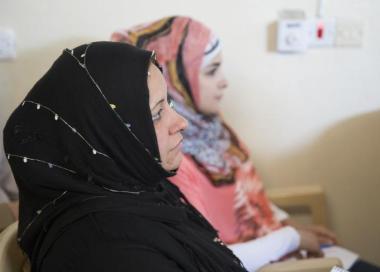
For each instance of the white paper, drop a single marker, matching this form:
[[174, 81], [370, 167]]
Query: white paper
[[338, 269], [346, 256]]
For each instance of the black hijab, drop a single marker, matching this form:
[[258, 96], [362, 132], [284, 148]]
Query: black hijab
[[83, 141]]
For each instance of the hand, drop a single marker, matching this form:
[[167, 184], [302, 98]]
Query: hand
[[292, 255], [325, 236], [309, 242]]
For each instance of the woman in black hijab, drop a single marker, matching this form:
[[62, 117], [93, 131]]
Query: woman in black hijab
[[91, 147]]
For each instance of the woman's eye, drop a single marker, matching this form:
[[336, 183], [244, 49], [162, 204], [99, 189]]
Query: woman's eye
[[171, 103], [211, 72], [157, 116]]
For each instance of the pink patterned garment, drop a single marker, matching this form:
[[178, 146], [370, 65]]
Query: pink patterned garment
[[239, 211]]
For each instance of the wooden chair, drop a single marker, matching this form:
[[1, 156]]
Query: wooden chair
[[311, 197], [309, 265], [11, 257]]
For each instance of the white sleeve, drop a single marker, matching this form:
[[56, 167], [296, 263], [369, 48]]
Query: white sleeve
[[278, 213], [259, 252]]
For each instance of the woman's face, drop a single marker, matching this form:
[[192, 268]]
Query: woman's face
[[211, 86], [168, 123]]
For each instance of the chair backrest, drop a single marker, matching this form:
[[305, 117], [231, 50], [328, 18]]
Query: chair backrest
[[11, 257]]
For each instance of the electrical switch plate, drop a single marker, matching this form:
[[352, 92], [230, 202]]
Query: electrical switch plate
[[7, 44], [349, 33], [322, 32]]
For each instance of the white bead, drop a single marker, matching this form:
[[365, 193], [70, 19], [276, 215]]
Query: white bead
[[94, 151], [25, 159], [216, 239], [82, 56], [8, 156], [56, 117], [74, 130], [38, 106], [128, 125], [38, 212], [23, 103], [50, 165]]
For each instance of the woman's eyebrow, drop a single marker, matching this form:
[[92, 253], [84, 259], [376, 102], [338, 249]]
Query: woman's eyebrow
[[159, 102], [215, 64]]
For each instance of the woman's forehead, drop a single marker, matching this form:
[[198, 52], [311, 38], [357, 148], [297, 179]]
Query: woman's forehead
[[215, 61]]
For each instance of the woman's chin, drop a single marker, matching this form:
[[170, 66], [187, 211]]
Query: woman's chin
[[175, 163]]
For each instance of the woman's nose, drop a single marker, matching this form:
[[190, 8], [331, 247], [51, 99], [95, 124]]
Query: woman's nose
[[180, 123], [223, 83]]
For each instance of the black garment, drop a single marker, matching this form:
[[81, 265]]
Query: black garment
[[363, 266], [85, 252], [132, 241], [87, 170]]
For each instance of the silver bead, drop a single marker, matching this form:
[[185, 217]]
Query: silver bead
[[82, 56], [8, 156], [38, 106], [56, 117], [23, 103], [25, 159], [94, 151], [128, 125], [217, 240], [38, 212], [50, 165], [74, 130]]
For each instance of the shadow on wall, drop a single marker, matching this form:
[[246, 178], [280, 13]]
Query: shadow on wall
[[272, 37], [345, 160], [21, 74]]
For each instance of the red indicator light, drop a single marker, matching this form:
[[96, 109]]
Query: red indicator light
[[320, 30]]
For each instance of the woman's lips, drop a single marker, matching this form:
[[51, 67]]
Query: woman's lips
[[219, 97], [179, 145]]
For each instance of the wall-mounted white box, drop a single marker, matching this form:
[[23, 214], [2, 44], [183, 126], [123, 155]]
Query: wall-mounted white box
[[7, 44], [292, 32]]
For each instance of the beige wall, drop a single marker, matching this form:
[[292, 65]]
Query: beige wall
[[308, 118]]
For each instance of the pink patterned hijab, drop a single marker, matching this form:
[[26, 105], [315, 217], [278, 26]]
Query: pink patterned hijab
[[180, 55]]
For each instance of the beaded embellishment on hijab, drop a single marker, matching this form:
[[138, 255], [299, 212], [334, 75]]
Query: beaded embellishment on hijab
[[38, 106], [128, 126]]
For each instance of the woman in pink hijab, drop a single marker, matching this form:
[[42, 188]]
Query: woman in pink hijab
[[217, 175]]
